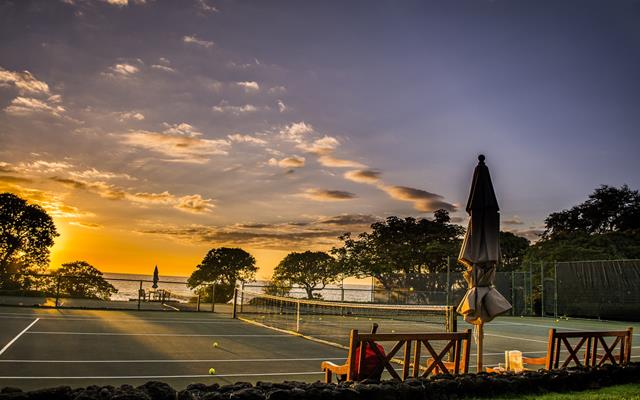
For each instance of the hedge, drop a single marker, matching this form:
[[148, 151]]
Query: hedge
[[432, 388]]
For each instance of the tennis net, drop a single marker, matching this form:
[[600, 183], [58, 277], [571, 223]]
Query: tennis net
[[332, 322]]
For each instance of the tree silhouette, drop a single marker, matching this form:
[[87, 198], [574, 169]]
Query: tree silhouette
[[224, 266], [400, 247], [605, 226], [513, 249], [313, 270], [26, 234], [81, 279]]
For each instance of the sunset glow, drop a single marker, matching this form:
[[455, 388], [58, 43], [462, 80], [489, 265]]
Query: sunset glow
[[153, 131]]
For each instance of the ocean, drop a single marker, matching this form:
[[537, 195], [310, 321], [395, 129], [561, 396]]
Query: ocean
[[129, 284]]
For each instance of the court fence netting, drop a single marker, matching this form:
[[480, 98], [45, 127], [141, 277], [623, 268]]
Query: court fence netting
[[331, 322], [104, 292], [607, 289]]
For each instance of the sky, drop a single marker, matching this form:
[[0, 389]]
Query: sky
[[153, 130]]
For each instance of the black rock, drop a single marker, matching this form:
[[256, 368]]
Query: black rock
[[14, 396], [158, 390], [56, 393], [247, 394], [9, 389], [278, 394], [128, 392], [188, 395], [215, 396]]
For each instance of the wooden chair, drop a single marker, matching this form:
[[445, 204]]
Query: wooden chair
[[592, 342], [457, 344]]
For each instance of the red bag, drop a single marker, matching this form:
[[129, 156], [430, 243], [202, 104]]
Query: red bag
[[373, 366]]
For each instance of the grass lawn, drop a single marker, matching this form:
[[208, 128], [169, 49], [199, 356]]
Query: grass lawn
[[629, 391]]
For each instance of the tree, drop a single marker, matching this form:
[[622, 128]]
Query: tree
[[224, 266], [608, 209], [313, 270], [81, 279], [401, 248], [605, 226], [26, 234], [513, 249], [277, 288]]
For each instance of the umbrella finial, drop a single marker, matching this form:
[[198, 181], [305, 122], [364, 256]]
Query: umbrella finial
[[481, 158]]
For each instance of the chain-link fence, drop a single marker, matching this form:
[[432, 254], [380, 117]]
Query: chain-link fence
[[117, 292]]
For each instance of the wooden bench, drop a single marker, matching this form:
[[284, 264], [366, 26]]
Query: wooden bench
[[590, 342], [456, 346]]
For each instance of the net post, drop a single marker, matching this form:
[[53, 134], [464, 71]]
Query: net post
[[241, 295], [542, 289], [213, 297], [452, 320], [57, 290], [234, 313], [198, 304], [139, 294], [298, 316]]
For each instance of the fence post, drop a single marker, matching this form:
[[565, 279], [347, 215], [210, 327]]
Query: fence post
[[342, 291], [513, 297], [448, 279], [373, 296], [57, 290], [531, 310], [213, 297], [542, 289], [555, 289], [198, 305], [298, 316], [234, 314], [139, 294]]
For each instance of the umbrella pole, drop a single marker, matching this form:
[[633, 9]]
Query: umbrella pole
[[479, 367]]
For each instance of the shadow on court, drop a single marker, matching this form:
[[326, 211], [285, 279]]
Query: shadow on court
[[48, 347]]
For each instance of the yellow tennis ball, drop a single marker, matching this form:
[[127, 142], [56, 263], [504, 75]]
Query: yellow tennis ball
[[557, 321], [212, 371], [215, 344]]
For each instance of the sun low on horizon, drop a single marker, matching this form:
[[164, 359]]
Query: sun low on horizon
[[153, 131]]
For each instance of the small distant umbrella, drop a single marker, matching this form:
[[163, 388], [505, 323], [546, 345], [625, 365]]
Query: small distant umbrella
[[480, 253], [156, 278]]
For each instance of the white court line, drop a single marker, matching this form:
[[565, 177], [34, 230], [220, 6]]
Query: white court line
[[509, 337], [166, 361], [164, 376], [81, 318], [150, 334], [6, 347], [503, 323]]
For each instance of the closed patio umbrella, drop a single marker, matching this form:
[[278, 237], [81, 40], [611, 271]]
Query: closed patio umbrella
[[156, 278], [480, 253]]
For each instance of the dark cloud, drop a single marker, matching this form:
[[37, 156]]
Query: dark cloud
[[14, 179], [328, 195], [274, 239], [422, 200], [349, 219], [363, 175]]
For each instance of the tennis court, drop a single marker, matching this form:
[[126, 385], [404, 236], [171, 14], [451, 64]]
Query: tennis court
[[49, 347]]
